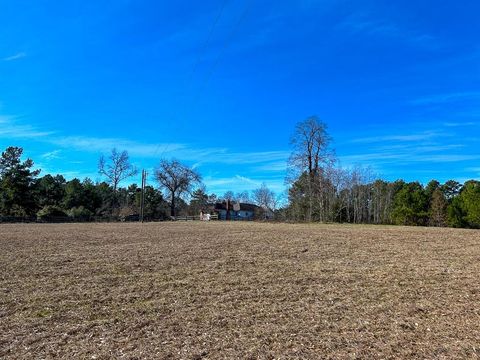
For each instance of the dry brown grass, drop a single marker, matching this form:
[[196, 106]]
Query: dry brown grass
[[238, 290]]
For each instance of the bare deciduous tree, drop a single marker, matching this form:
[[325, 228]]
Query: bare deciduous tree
[[242, 197], [117, 169], [438, 209], [177, 179], [310, 146], [264, 197], [229, 195], [311, 154]]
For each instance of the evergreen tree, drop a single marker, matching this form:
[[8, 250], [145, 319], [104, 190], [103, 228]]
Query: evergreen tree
[[91, 198], [470, 198], [155, 205], [456, 213], [16, 184], [410, 205], [106, 197], [74, 194], [50, 190], [198, 202]]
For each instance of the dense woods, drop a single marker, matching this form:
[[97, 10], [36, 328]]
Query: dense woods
[[342, 196], [24, 195], [318, 190], [321, 191]]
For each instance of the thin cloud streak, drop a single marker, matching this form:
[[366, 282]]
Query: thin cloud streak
[[145, 150], [404, 158], [180, 151], [51, 155], [17, 56], [361, 22], [277, 166], [241, 183], [10, 127], [444, 98], [401, 138], [459, 124], [97, 144]]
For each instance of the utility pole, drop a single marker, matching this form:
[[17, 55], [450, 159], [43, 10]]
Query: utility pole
[[142, 202]]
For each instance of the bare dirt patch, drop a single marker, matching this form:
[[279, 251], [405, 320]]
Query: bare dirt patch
[[238, 290]]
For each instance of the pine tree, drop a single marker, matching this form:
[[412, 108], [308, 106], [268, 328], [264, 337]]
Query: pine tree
[[16, 183]]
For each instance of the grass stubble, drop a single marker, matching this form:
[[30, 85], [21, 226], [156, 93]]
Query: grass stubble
[[222, 290]]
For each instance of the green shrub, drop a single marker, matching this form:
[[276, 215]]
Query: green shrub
[[49, 212], [80, 213], [18, 211]]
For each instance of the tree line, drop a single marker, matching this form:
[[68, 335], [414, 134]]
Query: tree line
[[24, 194], [179, 191], [319, 190]]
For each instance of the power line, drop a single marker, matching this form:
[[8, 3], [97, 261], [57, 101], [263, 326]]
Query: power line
[[198, 60], [165, 149], [220, 54], [209, 37], [227, 43]]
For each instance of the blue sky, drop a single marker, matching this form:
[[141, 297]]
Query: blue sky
[[221, 84]]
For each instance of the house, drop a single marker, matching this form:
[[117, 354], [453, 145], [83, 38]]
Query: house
[[229, 210], [268, 213]]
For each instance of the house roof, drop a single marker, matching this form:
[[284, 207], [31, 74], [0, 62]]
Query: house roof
[[243, 206]]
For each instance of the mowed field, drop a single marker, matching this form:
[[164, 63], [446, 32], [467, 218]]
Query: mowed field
[[222, 290]]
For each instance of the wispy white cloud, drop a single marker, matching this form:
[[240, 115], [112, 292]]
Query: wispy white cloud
[[433, 146], [51, 155], [51, 168], [427, 135], [445, 158], [418, 148], [16, 56], [362, 22], [186, 152], [181, 151], [227, 182], [279, 166], [246, 157], [365, 23], [241, 183], [407, 157], [99, 144], [10, 127], [460, 124], [443, 98]]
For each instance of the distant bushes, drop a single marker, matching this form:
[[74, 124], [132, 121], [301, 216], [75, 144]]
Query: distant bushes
[[50, 212], [80, 213]]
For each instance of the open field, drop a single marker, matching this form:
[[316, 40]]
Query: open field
[[238, 290]]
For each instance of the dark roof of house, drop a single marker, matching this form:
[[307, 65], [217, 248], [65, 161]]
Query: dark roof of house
[[243, 206]]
